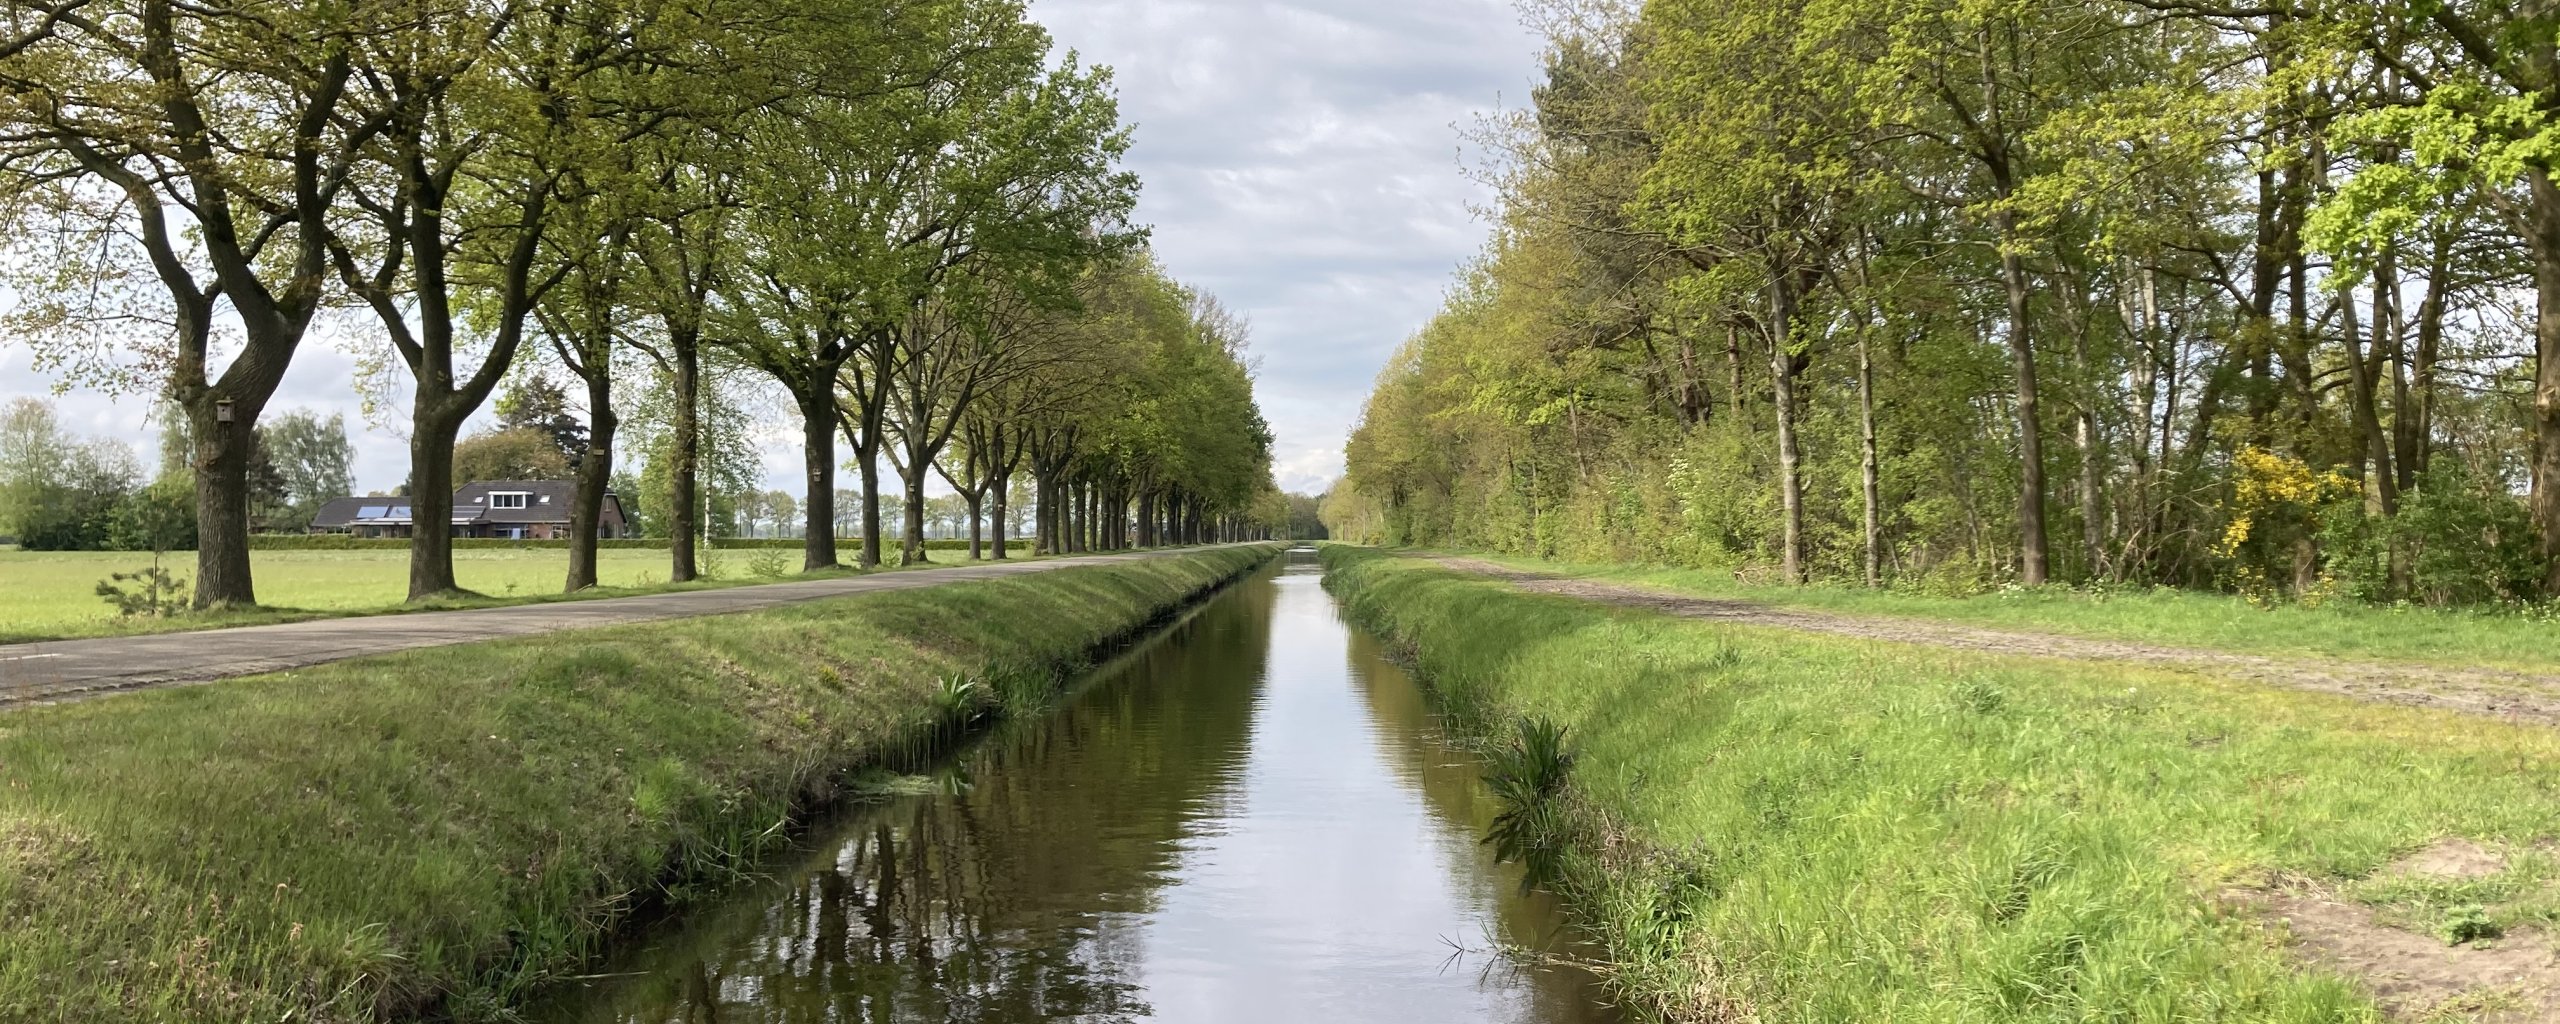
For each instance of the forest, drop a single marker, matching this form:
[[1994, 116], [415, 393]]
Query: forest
[[1962, 294], [617, 218]]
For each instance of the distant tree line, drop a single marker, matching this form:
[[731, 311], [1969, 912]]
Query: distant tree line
[[909, 218], [62, 492], [1961, 293]]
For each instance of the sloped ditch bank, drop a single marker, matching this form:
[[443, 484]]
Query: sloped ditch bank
[[438, 834]]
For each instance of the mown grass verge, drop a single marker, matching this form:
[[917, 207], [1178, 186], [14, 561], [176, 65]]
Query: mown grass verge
[[52, 595], [434, 833], [1779, 826], [2513, 637]]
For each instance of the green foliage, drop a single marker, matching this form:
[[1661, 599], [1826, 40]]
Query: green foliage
[[2467, 923], [152, 592], [158, 517], [512, 453], [80, 508], [2458, 543], [1763, 268], [536, 403]]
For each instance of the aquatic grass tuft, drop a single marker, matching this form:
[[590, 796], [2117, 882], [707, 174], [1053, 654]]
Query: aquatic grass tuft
[[958, 700], [1527, 773]]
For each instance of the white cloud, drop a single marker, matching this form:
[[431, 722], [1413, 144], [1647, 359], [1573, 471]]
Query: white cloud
[[1302, 161]]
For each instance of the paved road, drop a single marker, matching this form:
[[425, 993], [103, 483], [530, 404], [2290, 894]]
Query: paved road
[[60, 670]]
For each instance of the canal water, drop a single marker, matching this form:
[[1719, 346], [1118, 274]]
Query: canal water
[[1253, 817]]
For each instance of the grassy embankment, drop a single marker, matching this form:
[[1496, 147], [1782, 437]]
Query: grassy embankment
[[439, 831], [51, 595], [1814, 828], [2518, 638]]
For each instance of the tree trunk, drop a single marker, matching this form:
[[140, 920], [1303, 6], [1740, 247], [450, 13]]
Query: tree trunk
[[431, 498], [2545, 214], [683, 504], [2085, 431], [2032, 549], [222, 505], [1000, 508], [868, 461], [2381, 482], [1869, 470], [1044, 504], [1782, 315], [595, 476], [977, 525], [912, 551], [818, 453], [2417, 417]]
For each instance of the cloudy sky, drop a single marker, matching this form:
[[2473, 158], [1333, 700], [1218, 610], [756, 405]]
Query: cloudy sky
[[1302, 162]]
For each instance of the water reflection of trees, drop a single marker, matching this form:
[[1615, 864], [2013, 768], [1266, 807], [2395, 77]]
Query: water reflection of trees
[[1016, 897]]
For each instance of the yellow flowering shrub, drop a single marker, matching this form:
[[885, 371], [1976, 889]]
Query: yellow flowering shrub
[[2271, 486], [2272, 527]]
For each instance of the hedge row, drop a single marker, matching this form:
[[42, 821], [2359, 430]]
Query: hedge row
[[342, 542]]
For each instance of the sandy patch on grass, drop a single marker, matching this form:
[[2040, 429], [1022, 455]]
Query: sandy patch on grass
[[2515, 696], [2449, 858], [2416, 977]]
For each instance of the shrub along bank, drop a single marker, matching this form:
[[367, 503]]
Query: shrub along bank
[[1770, 825], [437, 831]]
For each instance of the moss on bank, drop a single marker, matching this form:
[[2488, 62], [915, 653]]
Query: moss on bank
[[435, 832], [1778, 826]]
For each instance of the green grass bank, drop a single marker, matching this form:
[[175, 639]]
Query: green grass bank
[[1767, 825], [2510, 637], [435, 833]]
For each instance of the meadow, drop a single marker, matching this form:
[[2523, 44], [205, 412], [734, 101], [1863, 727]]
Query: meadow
[[2519, 637], [1768, 824], [52, 594], [434, 834]]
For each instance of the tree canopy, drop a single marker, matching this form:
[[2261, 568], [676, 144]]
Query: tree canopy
[[1957, 293]]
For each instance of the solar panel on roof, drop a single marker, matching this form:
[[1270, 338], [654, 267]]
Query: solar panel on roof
[[373, 511]]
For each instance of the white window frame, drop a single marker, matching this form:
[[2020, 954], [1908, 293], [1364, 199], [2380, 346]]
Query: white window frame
[[499, 499]]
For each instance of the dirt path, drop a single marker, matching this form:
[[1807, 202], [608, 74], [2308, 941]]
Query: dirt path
[[2515, 696], [55, 671]]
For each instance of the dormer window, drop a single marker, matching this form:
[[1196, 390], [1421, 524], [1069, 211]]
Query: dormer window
[[507, 499]]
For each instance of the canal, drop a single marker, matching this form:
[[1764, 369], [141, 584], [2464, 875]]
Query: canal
[[1252, 817]]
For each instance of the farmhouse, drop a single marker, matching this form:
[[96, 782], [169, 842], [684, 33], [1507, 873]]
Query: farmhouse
[[502, 509]]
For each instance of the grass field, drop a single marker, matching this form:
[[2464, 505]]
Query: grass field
[[52, 594], [2524, 638], [433, 833], [1771, 825]]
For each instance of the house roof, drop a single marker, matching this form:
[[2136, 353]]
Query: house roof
[[341, 513], [546, 501]]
